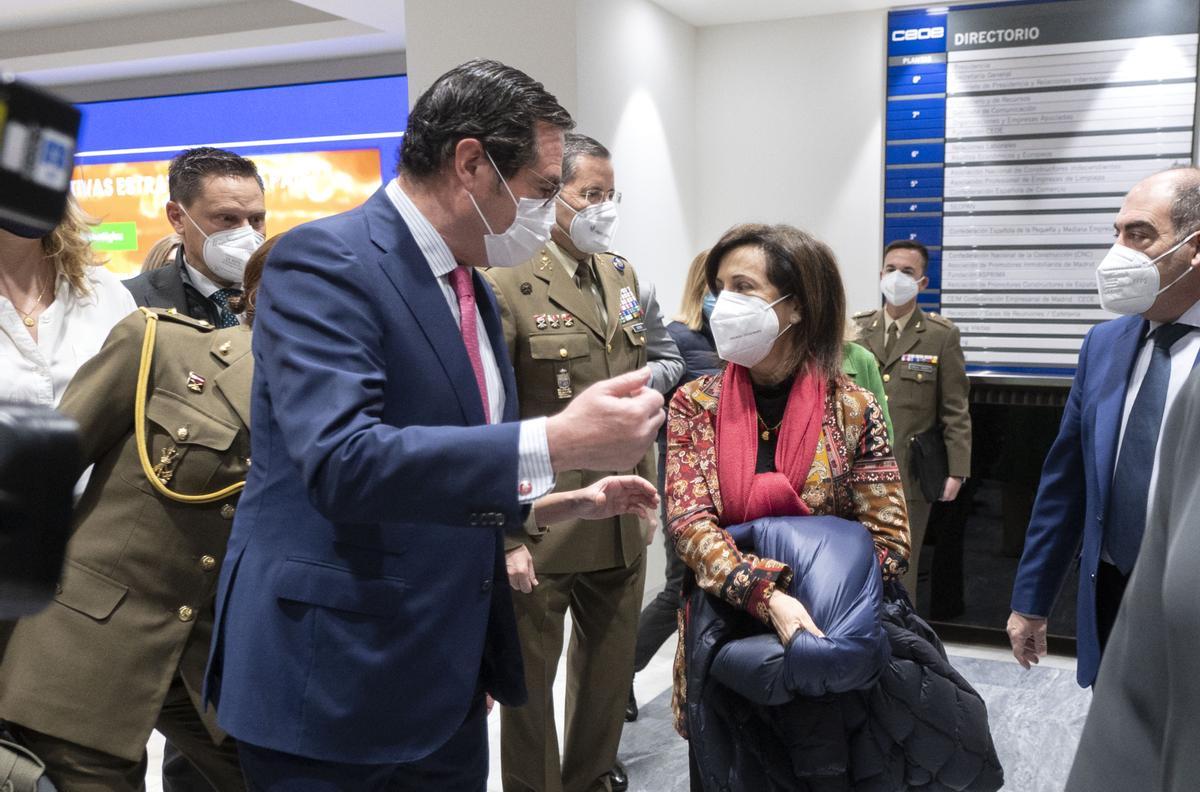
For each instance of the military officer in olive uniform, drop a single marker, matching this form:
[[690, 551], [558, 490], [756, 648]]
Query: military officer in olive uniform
[[123, 647], [572, 317], [924, 377]]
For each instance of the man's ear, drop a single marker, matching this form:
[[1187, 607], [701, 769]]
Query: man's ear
[[1195, 262], [471, 164], [175, 217]]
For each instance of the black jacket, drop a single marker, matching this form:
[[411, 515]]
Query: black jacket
[[869, 724]]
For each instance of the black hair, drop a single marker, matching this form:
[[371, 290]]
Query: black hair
[[910, 244], [189, 169], [482, 99]]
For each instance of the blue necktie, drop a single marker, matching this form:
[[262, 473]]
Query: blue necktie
[[221, 297], [1126, 519]]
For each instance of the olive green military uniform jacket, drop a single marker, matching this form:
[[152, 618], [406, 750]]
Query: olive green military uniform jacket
[[135, 602], [925, 379], [559, 346]]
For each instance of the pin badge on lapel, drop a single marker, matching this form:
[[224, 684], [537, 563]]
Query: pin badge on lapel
[[619, 263], [195, 383], [526, 288], [540, 321]]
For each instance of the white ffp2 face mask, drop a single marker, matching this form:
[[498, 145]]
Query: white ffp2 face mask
[[226, 252], [744, 327], [898, 288], [529, 231], [1128, 280], [593, 228]]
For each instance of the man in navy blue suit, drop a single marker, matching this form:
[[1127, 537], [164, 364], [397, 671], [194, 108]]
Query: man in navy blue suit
[[362, 612], [1101, 470]]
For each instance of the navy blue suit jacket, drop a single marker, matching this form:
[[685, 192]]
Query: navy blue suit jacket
[[363, 602], [1073, 495]]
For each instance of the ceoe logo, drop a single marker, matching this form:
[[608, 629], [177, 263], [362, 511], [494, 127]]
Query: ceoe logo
[[919, 34]]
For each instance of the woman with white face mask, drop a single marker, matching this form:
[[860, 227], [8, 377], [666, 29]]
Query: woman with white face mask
[[779, 432]]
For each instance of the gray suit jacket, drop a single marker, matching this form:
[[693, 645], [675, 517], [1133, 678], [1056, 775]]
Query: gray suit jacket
[[164, 288], [666, 363], [1142, 731]]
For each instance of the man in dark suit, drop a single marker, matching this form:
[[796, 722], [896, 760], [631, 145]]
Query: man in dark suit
[[1100, 472], [216, 205], [362, 614]]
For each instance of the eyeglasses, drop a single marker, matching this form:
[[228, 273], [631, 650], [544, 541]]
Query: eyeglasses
[[595, 196], [549, 185]]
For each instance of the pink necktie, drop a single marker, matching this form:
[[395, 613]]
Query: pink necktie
[[464, 289]]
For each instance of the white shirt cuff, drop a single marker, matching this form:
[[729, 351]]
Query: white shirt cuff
[[535, 475]]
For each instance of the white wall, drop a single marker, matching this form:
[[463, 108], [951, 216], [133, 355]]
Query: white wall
[[789, 129], [637, 78], [535, 36]]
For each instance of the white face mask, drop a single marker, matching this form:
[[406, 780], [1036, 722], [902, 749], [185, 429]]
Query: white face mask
[[744, 327], [528, 233], [1128, 279], [593, 229], [226, 252], [898, 288]]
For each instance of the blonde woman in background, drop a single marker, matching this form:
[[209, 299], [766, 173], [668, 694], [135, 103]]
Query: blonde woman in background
[[161, 252], [57, 305]]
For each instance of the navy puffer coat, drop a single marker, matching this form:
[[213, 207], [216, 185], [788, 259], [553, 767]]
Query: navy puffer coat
[[873, 707]]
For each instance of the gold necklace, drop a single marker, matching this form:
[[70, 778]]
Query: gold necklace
[[766, 432], [27, 316]]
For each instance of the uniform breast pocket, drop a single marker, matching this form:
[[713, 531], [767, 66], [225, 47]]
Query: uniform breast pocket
[[919, 373], [554, 355], [187, 445]]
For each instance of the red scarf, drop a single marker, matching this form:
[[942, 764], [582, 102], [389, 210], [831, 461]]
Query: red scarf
[[746, 495]]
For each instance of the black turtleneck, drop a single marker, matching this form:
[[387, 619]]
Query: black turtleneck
[[770, 401]]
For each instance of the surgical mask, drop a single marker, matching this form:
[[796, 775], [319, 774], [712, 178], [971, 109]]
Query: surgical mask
[[710, 301], [745, 328], [529, 231], [593, 229], [898, 288], [226, 252], [1128, 280]]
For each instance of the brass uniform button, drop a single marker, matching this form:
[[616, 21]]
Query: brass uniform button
[[887, 377], [182, 433], [185, 613], [609, 346], [920, 376], [207, 562], [227, 511], [562, 353]]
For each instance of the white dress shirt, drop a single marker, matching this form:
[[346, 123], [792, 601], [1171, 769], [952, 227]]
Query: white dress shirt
[[1183, 356], [533, 462], [70, 330]]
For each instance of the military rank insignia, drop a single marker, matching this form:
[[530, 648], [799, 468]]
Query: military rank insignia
[[631, 310], [195, 383], [553, 321], [619, 263]]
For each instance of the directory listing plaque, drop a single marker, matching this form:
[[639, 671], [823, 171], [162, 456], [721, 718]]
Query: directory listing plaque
[[1014, 131]]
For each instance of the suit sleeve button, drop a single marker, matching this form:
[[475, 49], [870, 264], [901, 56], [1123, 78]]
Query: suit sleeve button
[[185, 613], [487, 586]]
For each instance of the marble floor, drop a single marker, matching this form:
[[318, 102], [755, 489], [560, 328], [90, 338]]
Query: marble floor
[[1036, 717]]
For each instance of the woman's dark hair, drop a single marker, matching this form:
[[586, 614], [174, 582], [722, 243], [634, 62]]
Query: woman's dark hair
[[482, 99], [250, 279], [802, 266]]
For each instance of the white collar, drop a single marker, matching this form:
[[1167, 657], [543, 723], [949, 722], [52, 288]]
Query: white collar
[[429, 241], [200, 282]]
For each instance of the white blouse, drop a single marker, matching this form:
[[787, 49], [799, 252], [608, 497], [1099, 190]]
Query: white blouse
[[70, 330]]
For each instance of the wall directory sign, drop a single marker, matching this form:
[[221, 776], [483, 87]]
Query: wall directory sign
[[1013, 132]]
